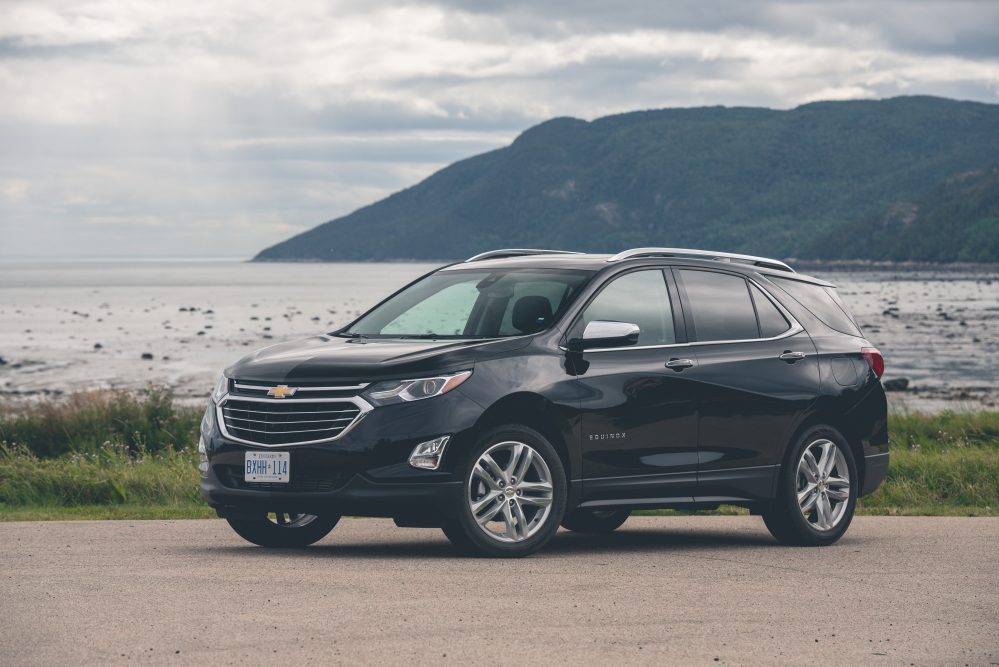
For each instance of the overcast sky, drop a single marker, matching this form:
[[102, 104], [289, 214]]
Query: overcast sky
[[217, 127]]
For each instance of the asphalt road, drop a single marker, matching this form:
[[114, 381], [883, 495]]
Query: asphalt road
[[694, 590]]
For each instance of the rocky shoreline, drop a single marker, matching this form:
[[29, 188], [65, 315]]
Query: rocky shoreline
[[177, 326]]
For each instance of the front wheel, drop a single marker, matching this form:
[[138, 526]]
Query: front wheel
[[513, 496], [284, 530], [817, 491]]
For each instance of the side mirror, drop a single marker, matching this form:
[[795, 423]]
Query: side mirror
[[606, 334]]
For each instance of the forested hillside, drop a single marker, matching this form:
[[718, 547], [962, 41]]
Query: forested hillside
[[903, 178]]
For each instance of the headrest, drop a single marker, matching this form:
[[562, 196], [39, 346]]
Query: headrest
[[532, 313]]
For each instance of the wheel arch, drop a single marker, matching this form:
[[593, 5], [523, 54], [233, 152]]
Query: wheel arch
[[830, 418], [536, 412]]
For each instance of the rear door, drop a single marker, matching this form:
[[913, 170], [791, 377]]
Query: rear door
[[756, 374]]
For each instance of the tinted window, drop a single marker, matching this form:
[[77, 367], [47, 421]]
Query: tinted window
[[721, 306], [772, 322], [639, 298], [823, 302]]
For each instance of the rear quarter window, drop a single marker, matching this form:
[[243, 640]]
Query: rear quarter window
[[823, 302], [772, 321]]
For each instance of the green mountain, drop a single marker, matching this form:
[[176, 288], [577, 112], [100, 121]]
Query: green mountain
[[957, 220], [824, 180]]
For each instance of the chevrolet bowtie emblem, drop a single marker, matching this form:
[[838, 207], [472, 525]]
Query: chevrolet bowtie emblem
[[281, 391]]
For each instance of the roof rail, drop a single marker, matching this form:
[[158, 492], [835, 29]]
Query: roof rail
[[702, 254], [517, 252]]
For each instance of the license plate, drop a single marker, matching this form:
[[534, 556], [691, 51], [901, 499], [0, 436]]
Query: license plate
[[266, 466]]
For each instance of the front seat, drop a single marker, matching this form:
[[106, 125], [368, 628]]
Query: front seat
[[531, 314]]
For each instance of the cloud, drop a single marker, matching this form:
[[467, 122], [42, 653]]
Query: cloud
[[218, 128]]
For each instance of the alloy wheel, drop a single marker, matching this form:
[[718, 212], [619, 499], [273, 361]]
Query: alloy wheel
[[510, 492], [823, 485]]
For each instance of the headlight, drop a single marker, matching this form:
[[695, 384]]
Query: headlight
[[221, 388], [208, 422], [202, 457], [401, 391]]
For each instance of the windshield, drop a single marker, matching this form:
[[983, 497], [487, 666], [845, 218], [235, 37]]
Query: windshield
[[473, 304]]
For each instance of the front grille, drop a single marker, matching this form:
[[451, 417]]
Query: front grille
[[231, 476], [285, 422], [302, 389]]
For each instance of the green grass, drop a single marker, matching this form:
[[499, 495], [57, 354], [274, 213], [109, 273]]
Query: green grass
[[946, 463], [110, 476], [100, 455], [146, 421], [125, 456]]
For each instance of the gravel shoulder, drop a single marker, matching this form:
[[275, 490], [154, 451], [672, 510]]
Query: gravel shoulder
[[663, 590]]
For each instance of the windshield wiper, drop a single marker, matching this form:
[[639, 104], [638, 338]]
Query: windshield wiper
[[350, 334], [429, 336], [442, 337]]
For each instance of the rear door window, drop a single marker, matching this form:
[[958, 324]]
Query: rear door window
[[720, 304]]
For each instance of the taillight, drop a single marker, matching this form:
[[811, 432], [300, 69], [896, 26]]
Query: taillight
[[874, 360]]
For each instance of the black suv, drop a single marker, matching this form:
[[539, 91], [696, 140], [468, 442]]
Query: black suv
[[520, 390]]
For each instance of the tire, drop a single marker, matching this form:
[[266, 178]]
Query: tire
[[511, 518], [455, 534], [595, 521], [286, 531], [789, 521]]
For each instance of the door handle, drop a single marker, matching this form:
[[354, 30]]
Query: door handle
[[791, 357], [679, 364]]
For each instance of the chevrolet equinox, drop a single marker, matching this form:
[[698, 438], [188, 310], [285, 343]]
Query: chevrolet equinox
[[501, 397]]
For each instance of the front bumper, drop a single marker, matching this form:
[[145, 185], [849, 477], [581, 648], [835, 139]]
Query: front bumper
[[431, 503], [365, 473]]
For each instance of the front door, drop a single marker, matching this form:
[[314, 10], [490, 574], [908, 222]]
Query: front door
[[639, 418]]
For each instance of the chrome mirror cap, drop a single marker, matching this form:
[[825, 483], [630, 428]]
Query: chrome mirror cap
[[602, 333]]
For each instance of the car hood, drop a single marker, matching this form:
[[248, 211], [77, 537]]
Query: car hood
[[334, 358]]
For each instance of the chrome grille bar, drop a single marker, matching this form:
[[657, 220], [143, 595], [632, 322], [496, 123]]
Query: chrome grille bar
[[266, 421], [304, 421], [285, 412], [265, 387]]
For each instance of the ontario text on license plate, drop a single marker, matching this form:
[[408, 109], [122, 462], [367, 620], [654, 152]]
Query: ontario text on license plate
[[266, 466]]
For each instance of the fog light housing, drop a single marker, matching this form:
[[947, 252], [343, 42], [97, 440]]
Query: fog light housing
[[203, 457], [427, 455]]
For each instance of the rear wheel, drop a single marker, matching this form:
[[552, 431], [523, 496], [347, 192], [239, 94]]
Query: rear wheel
[[284, 529], [817, 491], [513, 495], [595, 521]]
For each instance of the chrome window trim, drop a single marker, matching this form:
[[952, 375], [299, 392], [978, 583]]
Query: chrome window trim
[[794, 329], [361, 404], [268, 386]]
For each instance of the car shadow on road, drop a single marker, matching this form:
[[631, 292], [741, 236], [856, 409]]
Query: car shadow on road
[[430, 543]]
